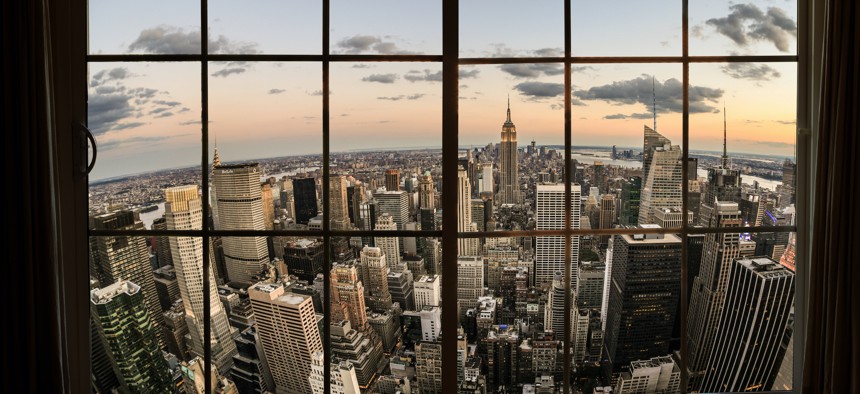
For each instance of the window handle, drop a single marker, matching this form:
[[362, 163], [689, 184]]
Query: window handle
[[86, 135]]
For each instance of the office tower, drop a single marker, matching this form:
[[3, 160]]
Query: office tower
[[631, 191], [643, 296], [339, 205], [431, 323], [343, 379], [102, 372], [465, 246], [555, 311], [607, 211], [395, 204], [304, 258], [657, 375], [166, 285], [360, 347], [662, 185], [426, 192], [128, 334], [387, 327], [183, 211], [392, 180], [428, 367], [752, 207], [549, 215], [500, 352], [162, 245], [175, 329], [478, 213], [400, 287], [288, 330], [348, 291], [374, 275], [250, 372], [579, 336], [433, 256], [589, 285], [486, 178], [724, 184], [356, 196], [428, 291], [268, 202], [470, 282], [305, 199], [672, 217], [240, 208], [653, 140], [509, 186], [709, 287], [599, 176], [789, 173], [123, 257], [390, 246], [753, 327]]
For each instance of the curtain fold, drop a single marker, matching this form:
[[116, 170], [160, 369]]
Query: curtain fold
[[832, 355], [32, 356]]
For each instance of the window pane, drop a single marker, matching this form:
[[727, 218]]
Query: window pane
[[750, 28], [759, 128], [266, 124], [386, 314], [386, 146], [386, 27], [269, 26], [159, 26], [146, 121], [493, 28], [611, 104], [512, 172], [626, 28], [741, 293]]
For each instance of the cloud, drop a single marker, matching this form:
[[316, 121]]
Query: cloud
[[532, 70], [785, 121], [361, 65], [502, 50], [394, 98], [107, 111], [549, 52], [106, 145], [669, 95], [540, 89], [278, 91], [113, 74], [771, 144], [166, 39], [469, 73], [167, 103], [370, 44], [746, 23], [751, 71], [631, 116], [224, 72], [427, 76], [415, 96], [381, 78]]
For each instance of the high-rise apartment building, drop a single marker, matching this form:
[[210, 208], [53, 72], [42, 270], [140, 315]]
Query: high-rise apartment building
[[374, 274], [287, 326], [431, 323], [184, 211], [549, 250], [509, 185], [428, 367], [123, 322], [240, 207], [470, 282], [305, 199], [348, 291], [753, 327]]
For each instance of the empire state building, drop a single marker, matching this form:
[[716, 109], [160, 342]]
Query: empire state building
[[509, 189]]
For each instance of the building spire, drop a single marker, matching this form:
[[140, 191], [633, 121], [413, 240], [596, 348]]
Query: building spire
[[216, 160], [654, 100], [509, 108], [725, 158]]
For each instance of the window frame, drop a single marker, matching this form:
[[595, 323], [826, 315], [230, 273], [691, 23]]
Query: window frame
[[74, 240]]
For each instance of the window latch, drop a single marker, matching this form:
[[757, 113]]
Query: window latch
[[86, 139]]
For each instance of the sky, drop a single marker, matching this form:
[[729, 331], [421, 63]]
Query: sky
[[146, 116]]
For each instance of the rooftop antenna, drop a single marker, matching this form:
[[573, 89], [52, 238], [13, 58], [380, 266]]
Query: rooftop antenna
[[654, 100], [509, 107], [725, 157]]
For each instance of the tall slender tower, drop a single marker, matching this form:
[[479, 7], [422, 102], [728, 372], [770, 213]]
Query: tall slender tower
[[466, 246], [374, 275], [509, 187], [240, 207], [339, 207], [661, 187], [549, 250], [184, 211], [724, 184], [652, 140]]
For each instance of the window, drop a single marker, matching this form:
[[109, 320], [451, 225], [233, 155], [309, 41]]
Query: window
[[613, 187]]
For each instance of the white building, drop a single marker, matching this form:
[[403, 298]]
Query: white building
[[549, 250], [427, 290]]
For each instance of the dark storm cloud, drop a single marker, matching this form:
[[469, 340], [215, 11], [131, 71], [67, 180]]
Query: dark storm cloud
[[533, 70], [276, 91], [381, 78], [540, 89], [747, 23], [107, 111], [751, 71], [370, 44], [113, 74], [669, 95], [427, 76]]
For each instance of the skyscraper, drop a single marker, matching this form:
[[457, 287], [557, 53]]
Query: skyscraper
[[753, 327], [549, 215], [724, 184], [427, 291], [339, 207], [428, 367], [395, 204], [663, 180], [426, 192], [390, 246], [183, 211], [470, 282], [343, 379], [305, 199], [240, 208], [304, 258], [288, 329], [392, 180], [129, 336], [644, 293], [348, 291], [374, 275], [509, 186], [709, 287], [125, 257], [466, 246], [652, 140], [631, 192]]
